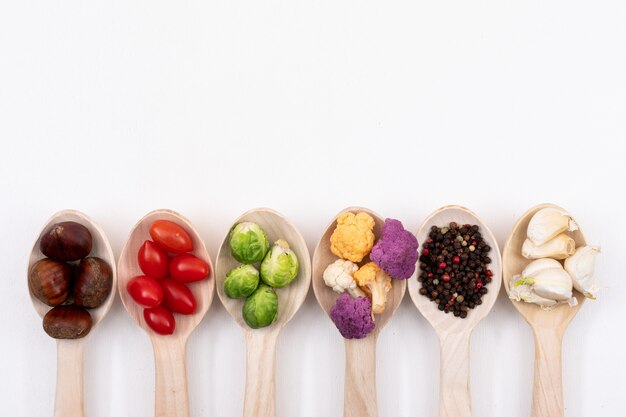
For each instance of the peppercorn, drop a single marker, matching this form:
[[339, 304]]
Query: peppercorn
[[454, 268]]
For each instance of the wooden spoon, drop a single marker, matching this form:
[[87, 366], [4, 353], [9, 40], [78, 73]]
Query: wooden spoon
[[69, 389], [171, 398], [360, 372], [548, 326], [454, 333], [259, 399]]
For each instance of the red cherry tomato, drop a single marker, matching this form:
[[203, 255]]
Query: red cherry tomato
[[170, 237], [188, 268], [145, 291], [160, 320], [152, 260], [177, 298]]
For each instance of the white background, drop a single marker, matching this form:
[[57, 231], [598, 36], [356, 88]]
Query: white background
[[211, 108]]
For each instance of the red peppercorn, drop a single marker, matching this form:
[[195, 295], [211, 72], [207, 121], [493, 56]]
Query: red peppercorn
[[429, 275], [474, 242], [456, 260], [479, 285], [442, 265], [425, 252], [446, 277], [429, 240], [489, 273]]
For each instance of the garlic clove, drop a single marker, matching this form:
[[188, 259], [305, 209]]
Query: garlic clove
[[543, 282], [553, 283], [519, 291], [559, 247], [580, 266], [539, 264], [548, 223], [545, 303]]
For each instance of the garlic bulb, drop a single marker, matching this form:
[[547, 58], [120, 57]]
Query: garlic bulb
[[559, 247], [543, 282], [547, 223], [580, 267]]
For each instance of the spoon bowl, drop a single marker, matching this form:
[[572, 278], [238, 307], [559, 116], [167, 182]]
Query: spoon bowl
[[360, 374], [514, 263], [69, 387], [259, 398], [548, 326], [453, 332], [171, 375]]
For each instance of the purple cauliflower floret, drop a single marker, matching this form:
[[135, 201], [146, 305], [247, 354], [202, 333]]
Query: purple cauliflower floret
[[396, 250], [353, 316]]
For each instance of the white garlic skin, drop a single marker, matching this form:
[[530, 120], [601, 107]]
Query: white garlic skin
[[552, 283], [580, 267], [543, 282], [548, 223], [559, 247]]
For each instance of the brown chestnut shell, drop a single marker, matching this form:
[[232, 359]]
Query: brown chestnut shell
[[93, 282], [50, 280], [66, 241], [67, 322]]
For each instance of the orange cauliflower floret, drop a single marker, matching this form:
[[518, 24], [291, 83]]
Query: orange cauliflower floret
[[353, 237], [376, 283]]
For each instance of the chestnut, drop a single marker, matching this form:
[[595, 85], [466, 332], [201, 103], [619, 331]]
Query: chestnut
[[93, 282], [50, 280], [66, 241], [67, 322]]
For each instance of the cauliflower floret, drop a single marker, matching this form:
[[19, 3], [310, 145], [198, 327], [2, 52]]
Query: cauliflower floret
[[353, 237], [338, 276], [396, 250], [352, 316], [376, 283]]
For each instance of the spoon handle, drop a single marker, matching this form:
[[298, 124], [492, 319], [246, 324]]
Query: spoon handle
[[454, 391], [548, 383], [171, 377], [69, 390], [260, 397], [360, 383]]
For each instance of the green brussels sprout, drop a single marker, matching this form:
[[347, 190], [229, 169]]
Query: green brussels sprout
[[248, 242], [280, 265], [261, 308], [241, 281]]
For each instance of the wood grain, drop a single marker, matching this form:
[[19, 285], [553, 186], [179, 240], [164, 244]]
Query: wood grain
[[169, 350], [171, 377], [69, 399], [360, 378], [259, 398], [548, 326], [260, 387], [69, 387], [454, 333]]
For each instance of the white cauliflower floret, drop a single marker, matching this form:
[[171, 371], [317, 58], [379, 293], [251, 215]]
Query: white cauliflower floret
[[338, 276]]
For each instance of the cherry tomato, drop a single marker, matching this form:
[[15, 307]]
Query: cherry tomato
[[152, 260], [170, 237], [160, 320], [145, 291], [188, 268], [177, 298]]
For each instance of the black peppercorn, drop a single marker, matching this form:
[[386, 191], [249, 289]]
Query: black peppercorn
[[454, 264]]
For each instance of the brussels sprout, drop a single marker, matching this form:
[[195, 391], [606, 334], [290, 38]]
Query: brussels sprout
[[280, 265], [241, 281], [248, 242], [261, 308]]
